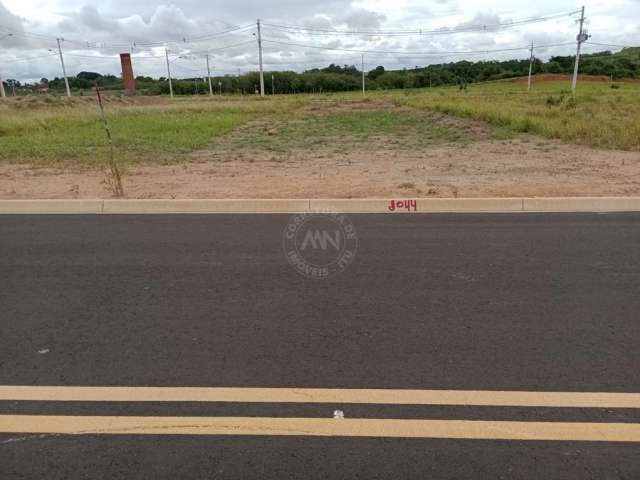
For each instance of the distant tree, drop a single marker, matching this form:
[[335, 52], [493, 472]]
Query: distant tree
[[375, 73], [90, 76], [553, 67], [335, 77]]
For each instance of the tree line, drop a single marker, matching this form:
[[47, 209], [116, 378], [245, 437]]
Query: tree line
[[336, 78]]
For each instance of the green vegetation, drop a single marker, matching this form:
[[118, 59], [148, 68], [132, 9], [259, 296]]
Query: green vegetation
[[344, 129], [335, 78], [163, 132], [46, 130], [78, 135], [598, 115]]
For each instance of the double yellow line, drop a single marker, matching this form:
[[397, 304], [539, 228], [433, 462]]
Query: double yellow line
[[348, 427]]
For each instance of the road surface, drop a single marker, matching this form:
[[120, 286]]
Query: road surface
[[483, 306]]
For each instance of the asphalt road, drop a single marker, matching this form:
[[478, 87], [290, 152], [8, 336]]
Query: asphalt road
[[533, 302]]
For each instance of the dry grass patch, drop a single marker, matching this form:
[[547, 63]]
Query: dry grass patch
[[598, 115]]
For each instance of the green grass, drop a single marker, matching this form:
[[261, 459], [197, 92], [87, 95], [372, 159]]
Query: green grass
[[598, 115], [165, 132], [82, 138], [345, 130], [54, 131]]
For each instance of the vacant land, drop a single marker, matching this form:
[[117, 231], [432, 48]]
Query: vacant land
[[600, 114], [69, 132], [487, 140]]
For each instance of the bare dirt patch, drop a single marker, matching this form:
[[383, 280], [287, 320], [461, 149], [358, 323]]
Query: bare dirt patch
[[521, 167], [356, 149]]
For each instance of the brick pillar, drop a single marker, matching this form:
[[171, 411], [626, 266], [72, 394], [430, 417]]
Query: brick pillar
[[128, 79]]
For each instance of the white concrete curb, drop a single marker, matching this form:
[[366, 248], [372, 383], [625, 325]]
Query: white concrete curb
[[373, 205], [51, 206], [206, 206]]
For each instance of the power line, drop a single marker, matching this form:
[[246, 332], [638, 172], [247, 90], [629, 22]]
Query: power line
[[319, 62], [225, 47], [610, 45], [116, 57], [194, 39], [113, 57], [145, 44], [26, 34], [97, 57], [180, 66], [421, 32], [298, 30], [447, 54], [287, 28], [27, 59], [612, 56], [415, 54], [371, 53]]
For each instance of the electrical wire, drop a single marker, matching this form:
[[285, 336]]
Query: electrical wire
[[225, 47], [180, 66], [421, 32], [288, 28], [386, 52], [194, 39], [117, 57], [291, 29], [585, 57], [147, 44], [28, 59], [610, 45]]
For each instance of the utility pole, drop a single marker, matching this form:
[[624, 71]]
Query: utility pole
[[582, 37], [273, 85], [64, 70], [363, 86], [166, 53], [209, 77], [260, 56], [2, 92], [530, 67]]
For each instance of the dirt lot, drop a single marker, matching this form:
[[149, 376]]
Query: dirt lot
[[357, 149]]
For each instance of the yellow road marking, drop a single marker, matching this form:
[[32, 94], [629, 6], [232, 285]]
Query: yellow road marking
[[459, 429], [322, 395]]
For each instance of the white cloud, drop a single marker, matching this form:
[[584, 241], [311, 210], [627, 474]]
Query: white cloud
[[11, 23], [116, 25], [363, 19]]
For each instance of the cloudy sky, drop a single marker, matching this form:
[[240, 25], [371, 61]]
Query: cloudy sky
[[298, 34]]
